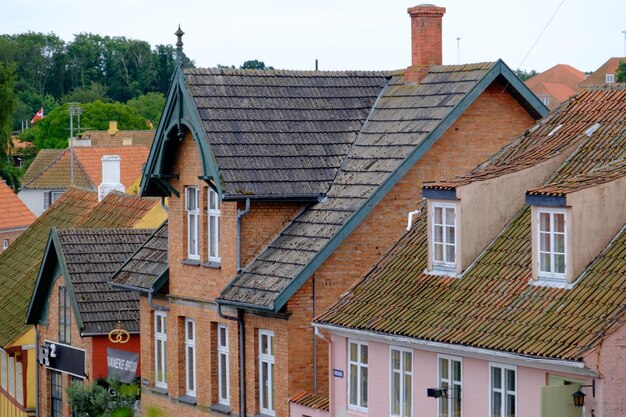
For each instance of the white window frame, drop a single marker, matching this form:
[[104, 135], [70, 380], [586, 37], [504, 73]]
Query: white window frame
[[503, 390], [193, 217], [49, 197], [269, 359], [545, 100], [3, 358], [551, 275], [160, 338], [444, 264], [213, 232], [403, 373], [19, 381], [190, 345], [609, 78], [359, 366], [223, 352], [449, 381], [11, 372], [5, 244]]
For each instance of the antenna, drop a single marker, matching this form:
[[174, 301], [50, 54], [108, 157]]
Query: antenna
[[74, 109], [458, 51], [316, 62]]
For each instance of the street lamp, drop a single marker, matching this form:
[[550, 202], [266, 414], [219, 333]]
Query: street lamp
[[579, 396]]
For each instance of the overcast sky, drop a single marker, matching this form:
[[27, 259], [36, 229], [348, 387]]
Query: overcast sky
[[342, 34]]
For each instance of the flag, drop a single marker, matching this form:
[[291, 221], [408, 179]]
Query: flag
[[37, 116]]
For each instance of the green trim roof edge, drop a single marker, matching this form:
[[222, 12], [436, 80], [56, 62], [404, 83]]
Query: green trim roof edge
[[44, 284], [498, 69], [179, 110]]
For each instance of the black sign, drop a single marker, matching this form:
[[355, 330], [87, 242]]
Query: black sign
[[122, 363], [64, 358]]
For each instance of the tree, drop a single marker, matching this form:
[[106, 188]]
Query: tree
[[525, 75], [148, 106], [255, 64], [109, 398], [87, 95], [8, 172], [620, 75], [55, 127]]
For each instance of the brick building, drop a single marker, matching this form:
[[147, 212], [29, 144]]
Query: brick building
[[285, 187], [531, 290]]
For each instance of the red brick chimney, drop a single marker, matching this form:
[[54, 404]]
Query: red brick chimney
[[425, 39]]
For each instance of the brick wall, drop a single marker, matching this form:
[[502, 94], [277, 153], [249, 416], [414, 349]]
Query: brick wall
[[10, 236]]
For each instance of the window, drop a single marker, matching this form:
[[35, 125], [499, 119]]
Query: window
[[11, 376], [266, 371], [545, 100], [190, 357], [50, 197], [502, 380], [401, 382], [357, 376], [444, 236], [160, 339], [3, 354], [551, 243], [213, 213], [19, 388], [222, 364], [609, 78], [450, 378], [65, 314], [193, 213], [56, 394], [5, 244]]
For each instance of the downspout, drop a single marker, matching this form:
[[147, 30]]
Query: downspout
[[242, 350], [331, 366], [314, 345], [164, 206], [36, 370], [155, 306], [240, 214]]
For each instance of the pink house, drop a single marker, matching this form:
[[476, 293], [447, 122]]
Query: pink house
[[507, 296]]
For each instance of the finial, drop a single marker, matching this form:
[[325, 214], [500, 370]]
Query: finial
[[179, 45]]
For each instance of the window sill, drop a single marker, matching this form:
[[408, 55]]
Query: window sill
[[192, 262], [187, 399], [221, 408], [262, 415], [442, 273], [551, 283], [158, 391], [212, 264]]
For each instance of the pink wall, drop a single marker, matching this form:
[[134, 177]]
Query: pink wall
[[475, 387]]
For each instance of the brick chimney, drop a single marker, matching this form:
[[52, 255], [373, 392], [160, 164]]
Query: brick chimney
[[425, 39]]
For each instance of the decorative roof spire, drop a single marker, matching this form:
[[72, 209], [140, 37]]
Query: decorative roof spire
[[179, 45]]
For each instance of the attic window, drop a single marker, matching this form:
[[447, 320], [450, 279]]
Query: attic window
[[545, 100], [556, 129], [609, 78], [443, 237], [592, 129], [551, 245]]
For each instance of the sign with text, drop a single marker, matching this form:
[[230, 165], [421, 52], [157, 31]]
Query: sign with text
[[122, 363], [338, 373], [63, 358]]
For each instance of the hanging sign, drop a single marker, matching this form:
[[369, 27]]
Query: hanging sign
[[63, 358], [122, 363]]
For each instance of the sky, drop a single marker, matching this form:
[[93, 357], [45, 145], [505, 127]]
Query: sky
[[341, 34]]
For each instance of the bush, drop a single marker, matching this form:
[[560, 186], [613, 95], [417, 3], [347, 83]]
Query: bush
[[105, 398]]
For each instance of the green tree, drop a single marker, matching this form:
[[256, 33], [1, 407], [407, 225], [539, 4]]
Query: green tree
[[255, 64], [87, 95], [524, 75], [110, 398], [55, 127], [149, 106], [620, 75], [8, 173]]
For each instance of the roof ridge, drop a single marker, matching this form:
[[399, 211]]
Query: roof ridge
[[285, 72]]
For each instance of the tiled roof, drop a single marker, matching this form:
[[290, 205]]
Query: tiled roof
[[559, 91], [13, 212], [103, 138], [560, 73], [44, 158], [403, 118], [19, 264], [281, 132], [545, 140], [598, 76], [147, 265], [91, 256], [492, 305], [316, 402], [87, 167]]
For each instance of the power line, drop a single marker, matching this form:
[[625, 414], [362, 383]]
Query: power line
[[539, 37]]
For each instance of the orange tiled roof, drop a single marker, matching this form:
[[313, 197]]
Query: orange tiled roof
[[561, 74], [87, 167], [13, 213], [598, 76], [316, 402], [559, 91]]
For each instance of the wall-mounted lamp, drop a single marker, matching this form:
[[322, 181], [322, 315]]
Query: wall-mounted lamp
[[579, 396]]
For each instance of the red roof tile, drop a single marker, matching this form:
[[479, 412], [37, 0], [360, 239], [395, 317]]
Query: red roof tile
[[598, 76], [13, 213]]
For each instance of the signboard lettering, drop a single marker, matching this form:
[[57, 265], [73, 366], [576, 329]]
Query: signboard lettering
[[122, 363], [63, 358]]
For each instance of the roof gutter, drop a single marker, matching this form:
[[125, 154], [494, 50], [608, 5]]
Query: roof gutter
[[275, 197], [558, 365]]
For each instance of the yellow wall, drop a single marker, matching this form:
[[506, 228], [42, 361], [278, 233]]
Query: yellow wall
[[8, 408]]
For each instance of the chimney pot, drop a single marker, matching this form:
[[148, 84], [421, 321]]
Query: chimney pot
[[426, 44], [112, 127]]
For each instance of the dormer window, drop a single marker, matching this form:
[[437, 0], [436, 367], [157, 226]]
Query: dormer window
[[609, 78], [444, 237], [552, 241], [193, 214]]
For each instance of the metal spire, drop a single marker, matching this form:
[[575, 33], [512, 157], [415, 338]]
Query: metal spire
[[179, 45]]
